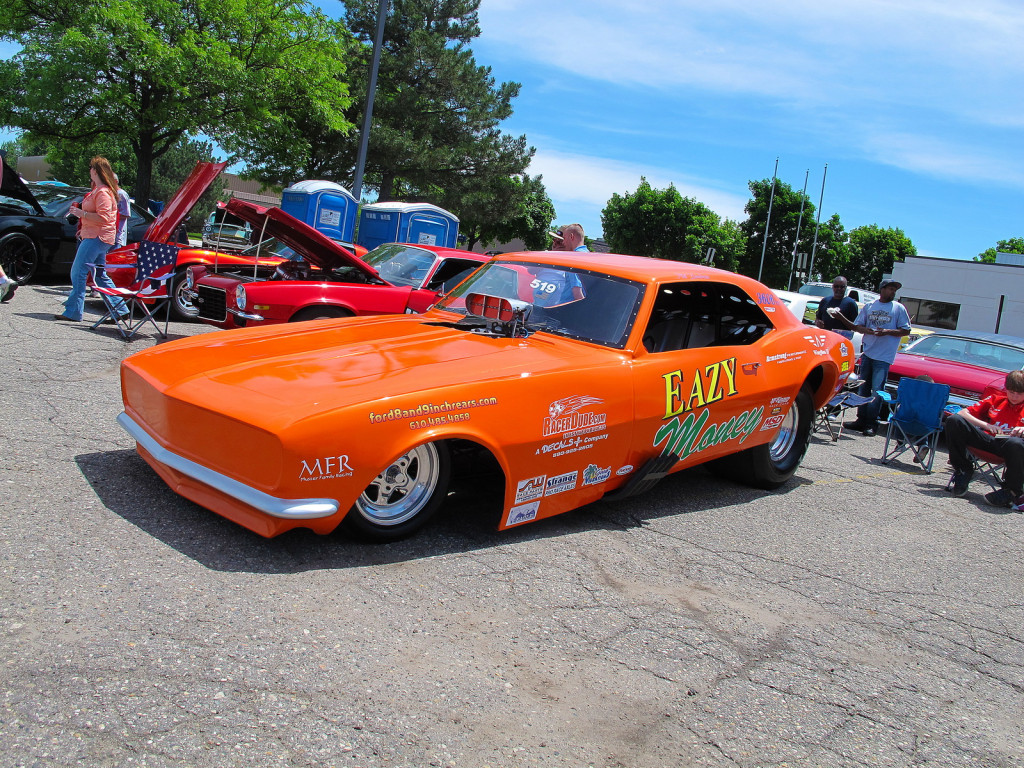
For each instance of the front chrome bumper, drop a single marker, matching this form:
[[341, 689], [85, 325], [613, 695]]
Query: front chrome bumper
[[291, 509]]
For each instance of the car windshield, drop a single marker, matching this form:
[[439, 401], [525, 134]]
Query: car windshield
[[984, 354], [401, 264], [575, 303], [271, 247], [812, 289]]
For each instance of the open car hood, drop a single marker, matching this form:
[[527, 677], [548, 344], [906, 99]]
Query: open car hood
[[12, 186], [314, 246], [188, 194]]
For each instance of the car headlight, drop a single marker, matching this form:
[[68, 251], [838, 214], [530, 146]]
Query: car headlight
[[240, 297], [190, 278]]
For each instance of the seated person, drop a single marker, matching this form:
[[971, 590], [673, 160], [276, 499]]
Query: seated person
[[995, 425]]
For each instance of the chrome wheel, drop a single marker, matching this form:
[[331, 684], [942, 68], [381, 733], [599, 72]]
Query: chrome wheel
[[182, 308], [785, 438], [405, 489]]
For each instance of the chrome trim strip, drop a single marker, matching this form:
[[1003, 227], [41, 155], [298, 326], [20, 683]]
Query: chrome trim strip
[[246, 315], [292, 509]]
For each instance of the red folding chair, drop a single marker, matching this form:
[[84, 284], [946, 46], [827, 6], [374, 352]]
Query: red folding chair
[[154, 270], [988, 466]]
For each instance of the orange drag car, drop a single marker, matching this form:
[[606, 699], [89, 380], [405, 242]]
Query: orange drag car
[[582, 376]]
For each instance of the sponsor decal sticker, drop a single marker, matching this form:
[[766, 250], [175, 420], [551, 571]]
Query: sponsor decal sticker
[[779, 401], [785, 357], [530, 489], [772, 422], [624, 470], [560, 483], [324, 468], [843, 349], [845, 366], [432, 414], [522, 514], [573, 416], [593, 474]]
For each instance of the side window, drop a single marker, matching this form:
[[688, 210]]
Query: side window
[[703, 314], [450, 273]]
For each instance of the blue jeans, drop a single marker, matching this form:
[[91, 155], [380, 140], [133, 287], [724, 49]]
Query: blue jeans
[[874, 373], [92, 250]]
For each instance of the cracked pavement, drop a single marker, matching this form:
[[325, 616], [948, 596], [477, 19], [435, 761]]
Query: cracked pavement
[[859, 616]]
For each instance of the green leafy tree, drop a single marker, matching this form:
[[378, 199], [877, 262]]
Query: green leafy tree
[[782, 229], [152, 72], [872, 253], [436, 113], [831, 256], [663, 224], [1013, 245], [22, 146], [511, 208]]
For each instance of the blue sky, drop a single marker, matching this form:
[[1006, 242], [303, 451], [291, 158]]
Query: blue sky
[[916, 106]]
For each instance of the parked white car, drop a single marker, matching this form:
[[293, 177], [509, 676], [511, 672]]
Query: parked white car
[[861, 295], [805, 307]]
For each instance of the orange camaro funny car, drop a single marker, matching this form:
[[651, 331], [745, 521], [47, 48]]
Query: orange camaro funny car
[[582, 376]]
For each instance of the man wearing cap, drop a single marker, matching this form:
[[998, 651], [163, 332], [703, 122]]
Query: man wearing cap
[[569, 238], [883, 322]]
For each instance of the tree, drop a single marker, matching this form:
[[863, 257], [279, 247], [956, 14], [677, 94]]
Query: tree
[[436, 111], [1013, 245], [778, 249], [151, 72], [831, 256], [873, 251], [663, 224], [512, 207]]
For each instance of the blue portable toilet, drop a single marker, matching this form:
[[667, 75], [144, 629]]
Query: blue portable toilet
[[420, 223], [325, 206]]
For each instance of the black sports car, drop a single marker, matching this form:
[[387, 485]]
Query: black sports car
[[35, 235]]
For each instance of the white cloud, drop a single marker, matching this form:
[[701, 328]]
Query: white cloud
[[941, 158], [574, 180], [964, 58]]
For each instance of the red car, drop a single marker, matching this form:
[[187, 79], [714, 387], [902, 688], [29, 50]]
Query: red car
[[973, 364], [323, 278]]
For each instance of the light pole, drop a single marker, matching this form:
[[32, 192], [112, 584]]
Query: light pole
[[371, 89]]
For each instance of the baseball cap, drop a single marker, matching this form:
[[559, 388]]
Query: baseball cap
[[889, 281], [557, 234]]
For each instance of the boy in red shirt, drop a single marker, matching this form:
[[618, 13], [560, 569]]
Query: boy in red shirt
[[996, 425]]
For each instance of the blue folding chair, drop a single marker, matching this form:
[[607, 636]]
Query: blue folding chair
[[915, 421]]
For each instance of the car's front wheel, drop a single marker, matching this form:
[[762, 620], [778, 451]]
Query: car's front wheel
[[19, 256], [403, 496], [771, 464], [182, 308]]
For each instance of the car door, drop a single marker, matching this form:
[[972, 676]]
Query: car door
[[702, 389]]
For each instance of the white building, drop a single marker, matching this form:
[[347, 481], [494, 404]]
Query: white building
[[964, 295]]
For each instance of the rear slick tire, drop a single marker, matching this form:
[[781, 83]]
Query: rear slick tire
[[770, 465]]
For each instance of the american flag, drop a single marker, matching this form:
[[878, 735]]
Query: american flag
[[153, 256]]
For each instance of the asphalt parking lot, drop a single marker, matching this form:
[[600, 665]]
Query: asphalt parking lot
[[859, 616]]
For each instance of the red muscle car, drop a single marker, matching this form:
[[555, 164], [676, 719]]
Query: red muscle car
[[973, 364], [322, 278]]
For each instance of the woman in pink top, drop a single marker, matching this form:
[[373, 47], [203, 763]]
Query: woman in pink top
[[98, 214]]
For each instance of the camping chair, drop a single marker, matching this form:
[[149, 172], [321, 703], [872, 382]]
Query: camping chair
[[988, 466], [915, 421], [829, 417], [154, 269]]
